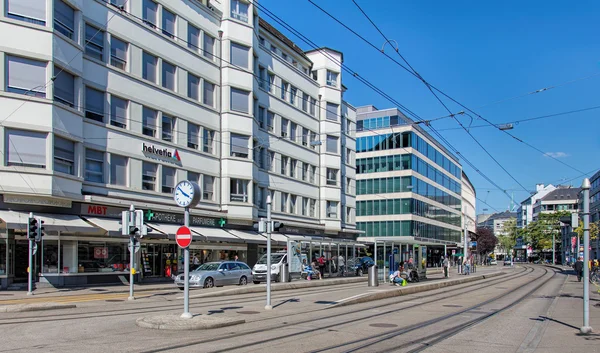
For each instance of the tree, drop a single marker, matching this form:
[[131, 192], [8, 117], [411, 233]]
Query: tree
[[508, 240], [539, 233], [486, 241], [593, 230]]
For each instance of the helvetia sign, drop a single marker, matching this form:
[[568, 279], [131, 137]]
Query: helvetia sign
[[162, 153]]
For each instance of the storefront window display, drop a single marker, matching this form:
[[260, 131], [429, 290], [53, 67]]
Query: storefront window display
[[97, 256], [49, 256], [3, 259]]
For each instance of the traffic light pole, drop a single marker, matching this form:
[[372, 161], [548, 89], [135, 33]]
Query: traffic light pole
[[131, 253], [269, 229], [30, 268]]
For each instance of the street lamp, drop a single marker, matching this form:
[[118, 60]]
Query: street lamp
[[586, 328]]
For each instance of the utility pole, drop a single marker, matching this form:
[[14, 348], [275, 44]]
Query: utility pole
[[269, 229], [31, 231], [586, 328], [466, 240]]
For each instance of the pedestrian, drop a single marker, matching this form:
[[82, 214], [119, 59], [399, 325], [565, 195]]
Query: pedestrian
[[579, 268], [341, 266], [235, 258], [446, 265], [195, 260], [321, 261]]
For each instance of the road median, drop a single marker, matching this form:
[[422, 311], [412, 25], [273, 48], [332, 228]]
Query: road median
[[20, 308]]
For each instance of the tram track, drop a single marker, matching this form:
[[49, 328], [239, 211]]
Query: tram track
[[239, 334]]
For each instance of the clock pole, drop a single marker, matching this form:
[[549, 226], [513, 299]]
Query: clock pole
[[186, 271]]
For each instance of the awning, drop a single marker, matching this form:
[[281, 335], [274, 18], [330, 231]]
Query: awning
[[248, 237], [52, 222], [278, 238], [162, 230], [403, 240], [214, 234], [111, 227]]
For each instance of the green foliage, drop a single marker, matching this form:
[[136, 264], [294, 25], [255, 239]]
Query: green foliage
[[593, 230], [539, 233], [508, 240]]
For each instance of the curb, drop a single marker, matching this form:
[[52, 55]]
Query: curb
[[19, 308], [280, 287], [562, 269], [176, 323], [385, 294]]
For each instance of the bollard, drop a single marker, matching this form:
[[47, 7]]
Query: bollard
[[373, 278], [285, 273]]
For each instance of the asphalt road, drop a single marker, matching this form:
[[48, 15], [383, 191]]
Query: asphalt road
[[494, 315]]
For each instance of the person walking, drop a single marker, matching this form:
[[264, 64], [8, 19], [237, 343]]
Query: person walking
[[321, 261], [446, 266], [341, 266], [579, 268]]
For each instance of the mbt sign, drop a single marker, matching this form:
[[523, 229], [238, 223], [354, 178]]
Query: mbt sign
[[164, 154]]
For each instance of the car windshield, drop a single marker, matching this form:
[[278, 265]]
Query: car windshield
[[275, 258], [212, 266]]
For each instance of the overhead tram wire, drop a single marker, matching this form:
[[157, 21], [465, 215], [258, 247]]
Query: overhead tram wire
[[368, 84], [438, 98], [417, 75]]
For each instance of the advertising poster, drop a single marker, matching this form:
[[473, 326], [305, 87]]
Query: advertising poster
[[295, 256]]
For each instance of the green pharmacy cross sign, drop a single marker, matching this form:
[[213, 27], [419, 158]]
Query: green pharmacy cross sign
[[175, 218], [149, 215], [222, 222]]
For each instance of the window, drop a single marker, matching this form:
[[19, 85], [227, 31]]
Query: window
[[25, 76], [209, 46], [332, 111], [193, 132], [293, 199], [26, 148], [332, 78], [209, 141], [305, 171], [270, 119], [193, 37], [238, 191], [239, 146], [64, 18], [94, 42], [284, 56], [304, 206], [261, 157], [149, 67], [64, 87], [315, 75], [239, 55], [261, 117], [168, 23], [208, 93], [118, 53], [331, 144], [239, 10], [168, 180], [293, 131], [168, 125], [305, 135], [94, 104], [313, 105], [284, 201], [32, 11], [207, 187], [193, 86], [118, 3], [271, 81], [293, 94], [304, 99], [273, 49], [348, 215], [118, 170], [261, 41], [94, 166], [195, 177], [313, 207], [284, 165], [284, 127], [284, 88], [332, 209], [332, 176], [149, 11], [118, 112], [149, 121], [149, 176], [168, 75], [348, 156], [271, 160], [293, 166], [259, 197], [313, 173], [239, 100], [348, 126], [262, 80]]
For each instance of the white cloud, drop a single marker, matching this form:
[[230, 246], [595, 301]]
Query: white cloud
[[556, 154]]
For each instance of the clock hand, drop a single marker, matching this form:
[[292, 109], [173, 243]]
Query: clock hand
[[184, 194]]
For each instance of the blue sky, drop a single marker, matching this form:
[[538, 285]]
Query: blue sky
[[478, 53]]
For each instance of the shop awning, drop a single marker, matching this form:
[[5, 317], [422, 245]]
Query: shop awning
[[111, 227], [278, 238], [162, 230], [403, 240], [248, 237], [52, 222], [215, 234]]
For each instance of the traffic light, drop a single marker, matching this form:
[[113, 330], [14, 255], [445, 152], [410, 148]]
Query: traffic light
[[277, 226], [32, 227], [40, 230]]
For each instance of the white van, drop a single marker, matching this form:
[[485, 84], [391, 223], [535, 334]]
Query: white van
[[259, 271]]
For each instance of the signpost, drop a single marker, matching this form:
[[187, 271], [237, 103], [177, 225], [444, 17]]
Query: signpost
[[187, 193]]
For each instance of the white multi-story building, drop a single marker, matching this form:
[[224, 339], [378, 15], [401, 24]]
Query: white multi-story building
[[107, 104], [525, 210]]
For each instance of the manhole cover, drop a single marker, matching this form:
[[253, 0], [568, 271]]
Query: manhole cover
[[452, 306], [383, 325], [248, 312], [114, 300]]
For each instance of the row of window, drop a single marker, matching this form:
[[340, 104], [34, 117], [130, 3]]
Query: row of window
[[295, 169], [288, 58], [406, 184], [379, 123], [406, 162], [150, 176], [289, 93], [434, 155], [408, 228], [406, 206]]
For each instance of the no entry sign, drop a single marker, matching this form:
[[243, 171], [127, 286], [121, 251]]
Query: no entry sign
[[183, 237]]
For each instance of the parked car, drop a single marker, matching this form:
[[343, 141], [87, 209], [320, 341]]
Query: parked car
[[507, 262], [360, 265], [217, 274], [493, 262], [278, 259]]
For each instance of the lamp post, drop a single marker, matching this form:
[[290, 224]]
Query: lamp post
[[586, 328]]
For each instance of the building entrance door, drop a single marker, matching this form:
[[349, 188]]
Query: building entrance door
[[159, 260], [21, 261]]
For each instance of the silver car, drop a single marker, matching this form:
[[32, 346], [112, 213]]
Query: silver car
[[218, 274]]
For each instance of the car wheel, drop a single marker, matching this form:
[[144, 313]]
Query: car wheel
[[243, 281], [209, 283], [359, 273], [256, 282]]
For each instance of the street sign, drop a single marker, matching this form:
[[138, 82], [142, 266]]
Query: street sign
[[137, 247], [183, 237], [34, 249]]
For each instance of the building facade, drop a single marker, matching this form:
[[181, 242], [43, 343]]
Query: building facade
[[110, 103], [525, 210], [595, 197], [563, 198], [469, 199], [408, 185]]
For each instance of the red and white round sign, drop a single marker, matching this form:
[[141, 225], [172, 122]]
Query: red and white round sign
[[183, 237]]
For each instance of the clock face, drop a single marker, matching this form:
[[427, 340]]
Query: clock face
[[184, 193]]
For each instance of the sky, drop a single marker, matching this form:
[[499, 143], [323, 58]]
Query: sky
[[479, 53]]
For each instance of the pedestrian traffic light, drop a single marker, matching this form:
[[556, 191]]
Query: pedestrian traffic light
[[32, 227], [277, 226], [40, 230]]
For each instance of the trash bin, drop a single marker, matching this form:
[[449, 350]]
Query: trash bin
[[285, 273], [373, 278]]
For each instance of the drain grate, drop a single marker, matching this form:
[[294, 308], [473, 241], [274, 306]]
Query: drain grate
[[452, 306], [383, 325], [248, 312], [114, 300]]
